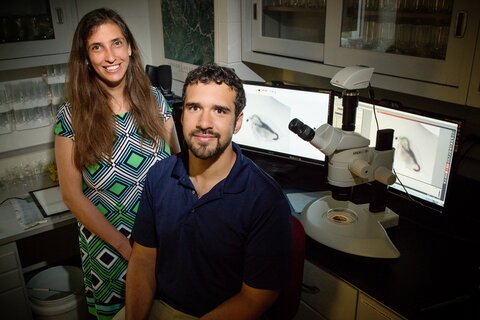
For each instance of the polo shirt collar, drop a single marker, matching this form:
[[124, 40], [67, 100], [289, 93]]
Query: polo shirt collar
[[235, 182]]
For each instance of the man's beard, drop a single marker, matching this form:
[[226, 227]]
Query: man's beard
[[202, 151]]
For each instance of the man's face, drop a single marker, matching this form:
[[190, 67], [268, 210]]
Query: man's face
[[208, 119]]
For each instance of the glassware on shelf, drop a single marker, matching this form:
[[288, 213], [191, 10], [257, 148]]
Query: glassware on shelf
[[27, 21], [300, 20], [57, 93], [408, 27], [56, 73], [6, 113], [30, 103]]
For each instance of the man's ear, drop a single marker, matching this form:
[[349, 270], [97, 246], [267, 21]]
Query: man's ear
[[238, 123]]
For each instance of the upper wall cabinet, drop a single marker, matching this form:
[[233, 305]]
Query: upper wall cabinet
[[474, 89], [295, 29], [421, 47], [36, 32], [426, 40]]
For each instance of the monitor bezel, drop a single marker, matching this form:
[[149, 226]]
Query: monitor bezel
[[395, 105], [285, 156]]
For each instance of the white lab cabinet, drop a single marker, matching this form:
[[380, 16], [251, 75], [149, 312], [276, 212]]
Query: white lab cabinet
[[328, 295], [424, 48], [13, 295], [36, 32], [427, 44]]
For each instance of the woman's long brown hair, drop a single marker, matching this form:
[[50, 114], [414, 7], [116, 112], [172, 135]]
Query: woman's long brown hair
[[92, 119]]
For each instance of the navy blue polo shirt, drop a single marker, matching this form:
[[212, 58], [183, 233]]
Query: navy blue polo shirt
[[238, 232]]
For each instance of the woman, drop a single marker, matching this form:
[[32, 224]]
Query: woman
[[112, 129]]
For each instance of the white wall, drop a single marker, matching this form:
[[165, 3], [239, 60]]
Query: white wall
[[136, 15]]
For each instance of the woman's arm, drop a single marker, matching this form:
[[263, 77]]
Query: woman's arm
[[171, 137], [85, 211]]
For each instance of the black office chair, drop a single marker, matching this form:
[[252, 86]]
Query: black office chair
[[161, 77], [286, 306]]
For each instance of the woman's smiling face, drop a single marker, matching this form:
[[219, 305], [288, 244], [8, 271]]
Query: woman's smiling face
[[109, 54]]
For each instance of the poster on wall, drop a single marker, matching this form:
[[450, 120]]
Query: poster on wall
[[188, 34]]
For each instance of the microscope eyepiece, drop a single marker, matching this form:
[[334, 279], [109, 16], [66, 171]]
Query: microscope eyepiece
[[301, 129]]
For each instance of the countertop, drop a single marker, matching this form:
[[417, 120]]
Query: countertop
[[436, 276], [10, 228]]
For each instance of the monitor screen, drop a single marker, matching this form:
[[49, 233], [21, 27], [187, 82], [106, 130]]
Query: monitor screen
[[266, 116], [424, 147]]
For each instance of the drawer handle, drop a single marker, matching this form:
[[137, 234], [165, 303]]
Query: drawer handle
[[310, 289], [59, 12], [461, 24]]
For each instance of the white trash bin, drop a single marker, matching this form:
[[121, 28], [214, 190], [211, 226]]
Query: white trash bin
[[57, 293]]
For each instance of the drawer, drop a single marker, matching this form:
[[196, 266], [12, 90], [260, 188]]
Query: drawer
[[369, 309], [305, 312], [10, 280], [14, 303], [8, 257], [330, 296]]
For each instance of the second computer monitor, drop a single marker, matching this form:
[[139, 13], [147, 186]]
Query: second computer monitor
[[424, 146]]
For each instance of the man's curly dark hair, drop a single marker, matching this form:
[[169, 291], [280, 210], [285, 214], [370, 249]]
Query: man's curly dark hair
[[214, 73]]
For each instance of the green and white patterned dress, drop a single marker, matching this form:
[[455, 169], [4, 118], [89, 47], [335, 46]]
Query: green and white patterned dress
[[115, 188]]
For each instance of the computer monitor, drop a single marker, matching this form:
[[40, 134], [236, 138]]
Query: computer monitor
[[266, 116], [425, 145]]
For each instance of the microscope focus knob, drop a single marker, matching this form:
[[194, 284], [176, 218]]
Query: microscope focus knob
[[384, 176], [360, 168]]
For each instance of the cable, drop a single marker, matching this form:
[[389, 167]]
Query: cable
[[406, 192], [5, 200], [372, 98]]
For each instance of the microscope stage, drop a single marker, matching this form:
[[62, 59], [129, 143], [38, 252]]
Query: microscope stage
[[351, 228]]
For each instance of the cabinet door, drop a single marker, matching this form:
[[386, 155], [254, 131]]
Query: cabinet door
[[307, 313], [328, 295], [431, 41], [32, 28], [13, 296], [288, 27], [474, 89], [369, 309]]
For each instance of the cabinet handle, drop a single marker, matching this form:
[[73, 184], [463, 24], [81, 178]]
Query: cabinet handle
[[310, 289], [461, 24], [254, 11], [59, 15]]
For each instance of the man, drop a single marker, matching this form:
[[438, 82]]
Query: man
[[212, 234]]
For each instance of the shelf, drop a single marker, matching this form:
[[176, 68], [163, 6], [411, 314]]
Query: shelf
[[293, 9], [399, 17], [26, 138]]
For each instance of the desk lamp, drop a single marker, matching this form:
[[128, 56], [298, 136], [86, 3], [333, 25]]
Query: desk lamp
[[334, 220]]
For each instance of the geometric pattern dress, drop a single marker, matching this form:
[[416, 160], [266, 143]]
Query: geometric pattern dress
[[114, 187]]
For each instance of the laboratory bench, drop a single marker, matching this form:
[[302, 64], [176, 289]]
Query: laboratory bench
[[10, 229], [437, 275], [26, 251]]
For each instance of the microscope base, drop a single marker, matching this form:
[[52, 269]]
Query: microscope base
[[351, 228]]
